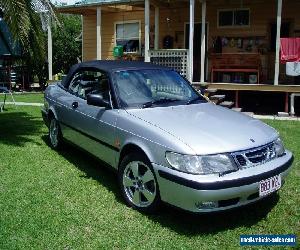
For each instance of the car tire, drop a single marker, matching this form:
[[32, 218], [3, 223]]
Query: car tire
[[139, 184], [55, 135]]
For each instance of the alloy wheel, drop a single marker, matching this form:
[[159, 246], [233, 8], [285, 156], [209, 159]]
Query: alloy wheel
[[139, 184], [54, 132]]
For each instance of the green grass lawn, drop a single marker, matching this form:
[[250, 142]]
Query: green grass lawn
[[67, 200], [25, 97]]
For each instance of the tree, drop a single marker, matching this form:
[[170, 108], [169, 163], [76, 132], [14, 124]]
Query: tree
[[66, 49], [23, 20]]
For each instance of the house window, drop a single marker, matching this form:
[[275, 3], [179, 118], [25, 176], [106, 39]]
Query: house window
[[234, 18], [128, 36]]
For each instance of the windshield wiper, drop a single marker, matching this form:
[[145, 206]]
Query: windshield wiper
[[198, 98], [159, 101]]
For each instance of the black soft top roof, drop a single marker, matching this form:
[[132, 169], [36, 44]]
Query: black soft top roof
[[111, 66]]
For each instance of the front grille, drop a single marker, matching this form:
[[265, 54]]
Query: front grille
[[254, 157], [241, 160]]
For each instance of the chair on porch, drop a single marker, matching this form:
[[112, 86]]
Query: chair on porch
[[5, 91]]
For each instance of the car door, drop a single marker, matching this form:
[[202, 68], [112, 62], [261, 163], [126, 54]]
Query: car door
[[90, 127]]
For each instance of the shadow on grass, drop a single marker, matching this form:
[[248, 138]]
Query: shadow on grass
[[91, 166], [197, 224], [177, 220], [16, 128]]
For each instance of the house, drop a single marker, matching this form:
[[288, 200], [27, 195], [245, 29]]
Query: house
[[232, 41]]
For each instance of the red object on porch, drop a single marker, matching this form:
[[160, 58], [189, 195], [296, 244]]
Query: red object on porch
[[289, 50]]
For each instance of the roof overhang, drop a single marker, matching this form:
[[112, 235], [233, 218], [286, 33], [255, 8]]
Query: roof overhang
[[85, 8], [107, 6]]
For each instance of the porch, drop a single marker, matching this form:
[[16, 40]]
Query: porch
[[287, 103]]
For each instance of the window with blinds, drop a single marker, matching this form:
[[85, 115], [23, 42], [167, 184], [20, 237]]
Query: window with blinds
[[128, 36]]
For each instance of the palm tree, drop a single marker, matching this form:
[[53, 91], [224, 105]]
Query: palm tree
[[24, 22], [22, 17]]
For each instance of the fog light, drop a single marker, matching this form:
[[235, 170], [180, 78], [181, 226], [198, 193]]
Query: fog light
[[206, 204]]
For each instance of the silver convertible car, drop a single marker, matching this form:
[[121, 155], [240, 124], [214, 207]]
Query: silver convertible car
[[164, 139]]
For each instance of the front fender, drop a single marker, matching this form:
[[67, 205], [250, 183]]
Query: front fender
[[52, 110], [153, 150], [151, 139]]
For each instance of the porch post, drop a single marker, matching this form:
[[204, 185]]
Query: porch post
[[82, 32], [98, 33], [203, 41], [156, 35], [279, 10], [147, 30], [49, 50], [191, 40]]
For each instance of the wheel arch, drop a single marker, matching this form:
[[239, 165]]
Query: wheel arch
[[154, 204], [52, 114], [132, 147]]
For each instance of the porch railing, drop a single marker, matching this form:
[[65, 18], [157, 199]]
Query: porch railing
[[176, 59]]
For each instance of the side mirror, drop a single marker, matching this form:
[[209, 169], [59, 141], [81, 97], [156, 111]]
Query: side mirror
[[97, 100]]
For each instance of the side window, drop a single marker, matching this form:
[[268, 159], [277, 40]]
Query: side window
[[74, 84], [90, 82]]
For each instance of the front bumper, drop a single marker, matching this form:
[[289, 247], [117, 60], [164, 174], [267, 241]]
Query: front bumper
[[236, 189]]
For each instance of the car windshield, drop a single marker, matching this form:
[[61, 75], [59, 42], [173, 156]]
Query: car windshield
[[151, 87]]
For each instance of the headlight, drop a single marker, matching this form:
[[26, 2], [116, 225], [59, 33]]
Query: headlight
[[278, 147], [208, 164]]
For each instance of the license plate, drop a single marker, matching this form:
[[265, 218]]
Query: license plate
[[269, 185]]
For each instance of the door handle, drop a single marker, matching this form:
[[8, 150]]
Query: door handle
[[75, 105]]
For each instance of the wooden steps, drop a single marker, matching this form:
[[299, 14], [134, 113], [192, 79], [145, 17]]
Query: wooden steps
[[248, 113], [237, 109], [283, 114], [209, 92], [227, 104], [218, 99]]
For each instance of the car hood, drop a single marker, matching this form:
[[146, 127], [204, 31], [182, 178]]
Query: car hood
[[207, 128]]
